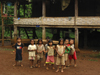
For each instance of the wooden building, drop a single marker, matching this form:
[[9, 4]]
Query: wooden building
[[54, 14]]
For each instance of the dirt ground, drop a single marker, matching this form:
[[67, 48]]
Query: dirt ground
[[86, 65]]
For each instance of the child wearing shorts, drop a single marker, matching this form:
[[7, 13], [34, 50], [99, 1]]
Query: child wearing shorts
[[60, 55], [40, 50], [32, 51], [72, 54], [50, 54]]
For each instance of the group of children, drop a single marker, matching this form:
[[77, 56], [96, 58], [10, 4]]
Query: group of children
[[65, 50]]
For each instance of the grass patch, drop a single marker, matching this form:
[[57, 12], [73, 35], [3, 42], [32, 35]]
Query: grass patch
[[6, 49], [95, 55], [92, 60]]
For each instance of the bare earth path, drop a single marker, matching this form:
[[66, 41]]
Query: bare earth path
[[86, 65]]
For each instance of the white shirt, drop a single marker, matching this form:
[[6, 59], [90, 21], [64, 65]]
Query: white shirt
[[32, 47]]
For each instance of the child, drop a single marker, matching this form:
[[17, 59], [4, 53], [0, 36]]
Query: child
[[50, 54], [67, 50], [32, 49], [46, 45], [72, 54], [18, 51], [40, 50], [60, 55]]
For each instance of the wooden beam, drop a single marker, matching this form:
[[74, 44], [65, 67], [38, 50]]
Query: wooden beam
[[15, 16], [76, 39], [15, 33], [44, 15], [76, 11], [43, 8], [2, 25], [43, 33], [15, 9]]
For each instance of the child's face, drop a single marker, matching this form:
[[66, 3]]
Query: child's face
[[47, 40], [61, 42], [32, 42], [50, 43], [19, 40], [40, 42], [67, 42], [71, 41]]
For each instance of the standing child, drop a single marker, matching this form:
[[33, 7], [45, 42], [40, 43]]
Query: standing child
[[67, 50], [32, 50], [18, 52], [46, 45], [50, 54], [60, 55], [40, 50], [72, 54]]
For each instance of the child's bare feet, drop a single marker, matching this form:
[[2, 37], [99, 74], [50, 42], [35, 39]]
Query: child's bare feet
[[39, 66], [57, 70], [53, 68], [75, 65], [64, 67], [62, 70], [14, 65], [21, 65], [36, 65], [47, 68], [44, 64], [31, 67]]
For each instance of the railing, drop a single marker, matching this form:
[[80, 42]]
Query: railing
[[57, 21]]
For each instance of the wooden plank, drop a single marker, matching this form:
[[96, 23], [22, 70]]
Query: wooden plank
[[43, 33], [15, 34], [76, 11], [15, 9], [43, 8], [2, 25], [76, 39]]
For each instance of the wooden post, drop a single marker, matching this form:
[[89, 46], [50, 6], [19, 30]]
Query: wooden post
[[2, 25], [19, 32], [43, 15], [43, 8], [43, 33], [76, 39], [76, 11], [15, 27]]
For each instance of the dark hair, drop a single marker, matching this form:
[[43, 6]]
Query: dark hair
[[47, 37], [66, 39], [72, 39], [40, 40], [31, 39], [18, 38], [50, 42], [60, 41]]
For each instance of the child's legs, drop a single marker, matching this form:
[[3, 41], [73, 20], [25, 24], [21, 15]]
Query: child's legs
[[74, 62], [62, 62], [66, 58], [70, 59]]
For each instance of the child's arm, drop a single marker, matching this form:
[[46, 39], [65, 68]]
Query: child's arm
[[57, 51], [63, 52]]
